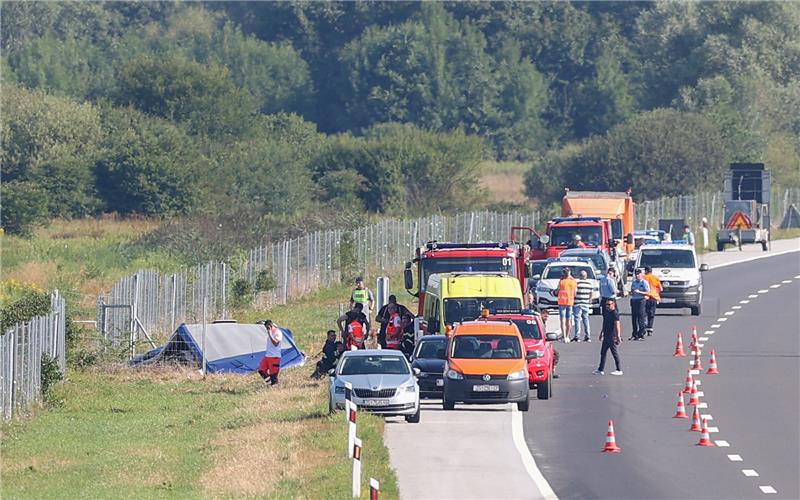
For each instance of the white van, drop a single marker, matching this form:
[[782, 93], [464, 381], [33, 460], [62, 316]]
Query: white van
[[677, 267]]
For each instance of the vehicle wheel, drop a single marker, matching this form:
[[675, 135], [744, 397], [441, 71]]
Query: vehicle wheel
[[695, 310], [448, 405], [523, 405], [543, 391], [720, 246], [413, 419], [764, 246]]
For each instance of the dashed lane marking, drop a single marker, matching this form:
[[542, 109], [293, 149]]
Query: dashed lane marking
[[712, 429], [722, 443], [699, 382], [744, 301], [699, 344], [722, 319], [700, 394], [776, 285], [708, 417], [734, 458], [752, 296], [703, 405], [694, 372], [736, 308], [797, 277], [730, 313], [763, 291], [716, 325], [708, 332], [749, 473], [703, 339], [785, 282], [767, 489]]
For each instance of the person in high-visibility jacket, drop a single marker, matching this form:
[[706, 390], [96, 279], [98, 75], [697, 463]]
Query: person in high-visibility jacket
[[653, 298], [567, 287], [362, 295], [394, 328]]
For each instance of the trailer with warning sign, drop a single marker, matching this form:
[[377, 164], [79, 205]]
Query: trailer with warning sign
[[746, 194]]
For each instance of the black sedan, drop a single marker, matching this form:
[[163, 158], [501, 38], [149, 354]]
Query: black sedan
[[429, 357]]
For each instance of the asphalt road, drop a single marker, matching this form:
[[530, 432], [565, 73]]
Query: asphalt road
[[754, 401]]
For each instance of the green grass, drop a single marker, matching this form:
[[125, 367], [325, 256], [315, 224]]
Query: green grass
[[169, 434]]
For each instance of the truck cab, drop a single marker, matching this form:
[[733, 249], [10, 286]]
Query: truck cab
[[594, 232]]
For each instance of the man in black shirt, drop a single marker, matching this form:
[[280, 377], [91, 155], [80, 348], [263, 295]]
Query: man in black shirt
[[329, 356], [611, 336]]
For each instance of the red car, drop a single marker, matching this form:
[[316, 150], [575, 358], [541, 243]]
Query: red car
[[540, 367]]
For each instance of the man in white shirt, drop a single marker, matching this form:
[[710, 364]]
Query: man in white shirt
[[270, 366]]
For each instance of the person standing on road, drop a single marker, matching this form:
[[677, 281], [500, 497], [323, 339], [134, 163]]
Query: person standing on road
[[582, 307], [688, 235], [567, 287], [652, 300], [608, 287], [545, 315], [639, 291], [270, 366], [610, 336], [362, 295], [384, 317]]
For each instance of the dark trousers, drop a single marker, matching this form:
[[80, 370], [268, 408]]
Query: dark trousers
[[650, 312], [609, 344], [638, 318]]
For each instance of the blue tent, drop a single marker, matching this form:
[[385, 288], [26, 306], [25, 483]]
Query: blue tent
[[229, 348]]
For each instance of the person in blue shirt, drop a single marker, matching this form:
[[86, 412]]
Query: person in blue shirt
[[608, 287], [640, 289]]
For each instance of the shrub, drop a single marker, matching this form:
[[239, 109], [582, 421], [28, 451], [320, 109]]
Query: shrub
[[265, 281], [21, 302]]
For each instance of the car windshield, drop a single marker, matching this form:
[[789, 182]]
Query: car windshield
[[486, 347], [538, 267], [374, 365], [666, 258], [431, 349], [466, 264], [562, 236], [554, 272], [596, 258], [529, 328], [467, 309]]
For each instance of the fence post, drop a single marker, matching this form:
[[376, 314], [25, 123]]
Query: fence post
[[224, 290], [382, 286], [203, 342]]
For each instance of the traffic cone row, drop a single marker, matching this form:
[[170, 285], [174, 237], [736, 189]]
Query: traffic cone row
[[705, 439], [689, 382], [679, 346], [611, 442], [696, 364], [695, 420], [681, 411], [712, 364], [694, 399]]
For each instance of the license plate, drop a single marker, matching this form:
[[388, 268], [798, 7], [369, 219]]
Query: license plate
[[668, 301], [375, 402], [486, 388], [439, 382]]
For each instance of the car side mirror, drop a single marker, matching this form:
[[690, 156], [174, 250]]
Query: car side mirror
[[536, 277], [416, 371], [629, 239], [552, 336], [332, 372], [703, 267], [408, 277], [544, 239]]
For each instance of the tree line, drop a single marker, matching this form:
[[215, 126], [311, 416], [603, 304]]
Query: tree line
[[163, 108]]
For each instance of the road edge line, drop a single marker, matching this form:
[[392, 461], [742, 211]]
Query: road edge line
[[750, 259], [518, 435]]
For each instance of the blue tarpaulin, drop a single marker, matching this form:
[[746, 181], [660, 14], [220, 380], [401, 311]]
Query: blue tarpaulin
[[229, 348]]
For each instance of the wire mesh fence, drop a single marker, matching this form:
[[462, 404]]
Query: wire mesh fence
[[154, 302], [22, 350]]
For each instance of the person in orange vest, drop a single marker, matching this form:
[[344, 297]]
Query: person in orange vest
[[653, 298], [354, 327], [394, 327], [577, 242], [567, 287]]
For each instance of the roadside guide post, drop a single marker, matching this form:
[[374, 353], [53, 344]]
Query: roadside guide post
[[382, 286], [705, 233], [374, 488], [357, 469], [350, 409]]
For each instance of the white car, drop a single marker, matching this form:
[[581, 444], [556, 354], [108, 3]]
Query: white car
[[547, 287], [383, 382], [677, 267]]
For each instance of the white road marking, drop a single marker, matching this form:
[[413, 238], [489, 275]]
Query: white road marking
[[722, 443], [716, 325], [749, 473], [730, 313], [722, 319], [786, 281], [761, 256], [708, 417], [752, 296], [699, 382], [745, 301], [776, 285], [703, 405], [694, 372], [700, 345], [703, 339], [767, 489], [797, 277], [734, 458], [700, 394], [736, 308], [713, 429], [763, 291], [527, 459], [708, 332]]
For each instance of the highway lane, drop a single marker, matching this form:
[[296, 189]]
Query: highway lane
[[753, 402]]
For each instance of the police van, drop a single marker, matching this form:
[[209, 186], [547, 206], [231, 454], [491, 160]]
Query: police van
[[679, 271]]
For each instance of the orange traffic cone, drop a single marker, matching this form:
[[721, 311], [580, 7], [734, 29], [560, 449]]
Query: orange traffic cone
[[705, 439], [694, 333], [712, 365], [689, 382], [696, 420], [611, 442], [679, 346], [681, 411], [694, 400], [696, 363]]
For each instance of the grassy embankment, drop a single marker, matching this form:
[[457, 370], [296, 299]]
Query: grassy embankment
[[504, 183], [167, 433]]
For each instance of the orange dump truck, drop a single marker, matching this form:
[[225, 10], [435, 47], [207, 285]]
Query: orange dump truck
[[617, 207]]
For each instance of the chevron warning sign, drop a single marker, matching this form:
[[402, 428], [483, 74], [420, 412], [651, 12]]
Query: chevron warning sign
[[739, 220]]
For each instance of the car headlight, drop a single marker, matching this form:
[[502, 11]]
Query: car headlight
[[693, 282], [454, 375], [518, 375], [338, 389], [411, 388], [537, 353]]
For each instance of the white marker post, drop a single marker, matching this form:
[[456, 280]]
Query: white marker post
[[351, 425], [357, 469], [374, 489]]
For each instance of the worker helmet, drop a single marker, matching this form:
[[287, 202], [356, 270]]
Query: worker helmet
[[577, 237]]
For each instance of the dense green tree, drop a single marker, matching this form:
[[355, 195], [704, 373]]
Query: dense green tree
[[24, 207]]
